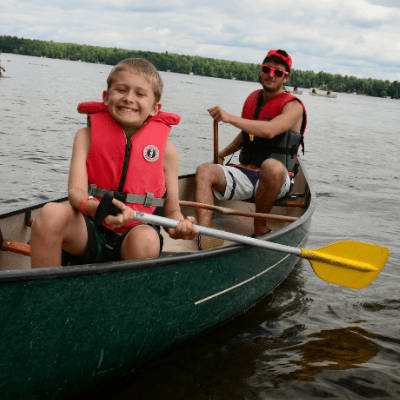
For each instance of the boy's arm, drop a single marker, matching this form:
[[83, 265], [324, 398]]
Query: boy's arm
[[185, 228], [290, 118], [78, 179]]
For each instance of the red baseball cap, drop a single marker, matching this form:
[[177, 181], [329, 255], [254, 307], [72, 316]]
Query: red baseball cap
[[288, 59]]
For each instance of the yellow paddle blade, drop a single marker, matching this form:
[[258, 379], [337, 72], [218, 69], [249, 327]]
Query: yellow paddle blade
[[348, 263]]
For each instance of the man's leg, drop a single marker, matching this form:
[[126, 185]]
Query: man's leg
[[208, 177], [57, 227], [272, 177]]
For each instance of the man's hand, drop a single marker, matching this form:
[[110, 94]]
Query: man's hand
[[219, 114]]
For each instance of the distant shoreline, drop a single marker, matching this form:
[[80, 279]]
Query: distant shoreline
[[197, 66]]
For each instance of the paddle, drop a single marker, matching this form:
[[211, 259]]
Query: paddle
[[347, 263], [231, 211], [215, 142]]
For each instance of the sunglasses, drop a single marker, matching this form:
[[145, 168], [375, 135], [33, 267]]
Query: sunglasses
[[278, 73]]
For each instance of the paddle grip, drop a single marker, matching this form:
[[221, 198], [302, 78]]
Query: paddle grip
[[105, 208]]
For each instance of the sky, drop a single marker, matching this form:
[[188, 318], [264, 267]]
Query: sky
[[348, 37]]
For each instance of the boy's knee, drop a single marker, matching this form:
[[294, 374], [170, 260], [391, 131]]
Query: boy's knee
[[142, 242], [49, 219]]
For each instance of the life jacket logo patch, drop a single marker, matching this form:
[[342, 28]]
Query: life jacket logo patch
[[151, 153]]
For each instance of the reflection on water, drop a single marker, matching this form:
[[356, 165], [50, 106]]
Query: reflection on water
[[336, 349]]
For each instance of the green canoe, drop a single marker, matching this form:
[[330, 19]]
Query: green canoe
[[68, 328]]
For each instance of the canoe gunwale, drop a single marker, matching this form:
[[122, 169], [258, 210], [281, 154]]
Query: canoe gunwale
[[16, 275]]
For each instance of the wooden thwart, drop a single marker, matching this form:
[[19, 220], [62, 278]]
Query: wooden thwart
[[231, 211], [16, 247]]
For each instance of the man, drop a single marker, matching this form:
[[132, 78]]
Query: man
[[272, 127]]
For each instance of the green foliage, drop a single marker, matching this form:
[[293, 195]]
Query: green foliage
[[347, 84], [197, 65]]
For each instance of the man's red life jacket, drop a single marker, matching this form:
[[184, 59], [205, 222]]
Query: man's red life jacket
[[282, 147], [135, 167]]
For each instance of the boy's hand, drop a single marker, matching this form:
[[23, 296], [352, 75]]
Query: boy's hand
[[184, 230], [116, 221]]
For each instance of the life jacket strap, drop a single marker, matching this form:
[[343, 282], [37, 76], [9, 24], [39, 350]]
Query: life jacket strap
[[110, 245], [147, 200]]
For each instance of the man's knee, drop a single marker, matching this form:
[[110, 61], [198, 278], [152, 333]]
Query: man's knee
[[209, 173], [273, 169], [204, 171]]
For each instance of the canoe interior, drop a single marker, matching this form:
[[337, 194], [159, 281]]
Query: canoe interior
[[13, 226]]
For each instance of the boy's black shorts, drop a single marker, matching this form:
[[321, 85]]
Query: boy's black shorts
[[96, 250]]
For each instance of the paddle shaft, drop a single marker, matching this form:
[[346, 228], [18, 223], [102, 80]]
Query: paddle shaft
[[215, 142], [171, 223], [231, 211]]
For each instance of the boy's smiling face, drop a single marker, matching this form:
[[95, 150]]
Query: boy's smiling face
[[130, 99]]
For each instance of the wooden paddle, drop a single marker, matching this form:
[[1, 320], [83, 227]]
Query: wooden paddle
[[215, 142], [231, 211], [347, 263]]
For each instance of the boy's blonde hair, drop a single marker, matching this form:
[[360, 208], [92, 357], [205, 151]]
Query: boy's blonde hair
[[141, 66]]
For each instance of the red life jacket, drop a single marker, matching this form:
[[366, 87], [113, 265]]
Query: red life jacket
[[282, 147], [136, 167]]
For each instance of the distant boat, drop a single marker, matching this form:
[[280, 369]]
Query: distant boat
[[296, 91], [333, 96]]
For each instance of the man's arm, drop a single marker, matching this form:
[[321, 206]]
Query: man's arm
[[290, 118], [231, 148]]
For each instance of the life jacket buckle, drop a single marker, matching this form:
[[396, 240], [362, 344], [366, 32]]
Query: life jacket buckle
[[91, 189], [148, 200]]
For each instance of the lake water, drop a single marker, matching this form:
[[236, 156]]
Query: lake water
[[309, 339]]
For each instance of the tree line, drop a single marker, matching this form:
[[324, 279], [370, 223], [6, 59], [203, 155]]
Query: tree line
[[197, 65]]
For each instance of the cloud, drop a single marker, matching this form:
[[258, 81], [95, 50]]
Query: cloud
[[358, 36]]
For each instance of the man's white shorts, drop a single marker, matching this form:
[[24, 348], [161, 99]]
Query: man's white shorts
[[242, 184]]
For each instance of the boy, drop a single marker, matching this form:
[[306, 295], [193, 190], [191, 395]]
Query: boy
[[125, 150]]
